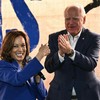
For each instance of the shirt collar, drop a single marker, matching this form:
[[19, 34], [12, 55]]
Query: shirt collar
[[77, 36]]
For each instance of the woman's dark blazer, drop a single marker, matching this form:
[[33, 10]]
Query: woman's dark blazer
[[15, 84]]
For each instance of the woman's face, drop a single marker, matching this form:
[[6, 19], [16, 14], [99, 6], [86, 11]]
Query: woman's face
[[18, 51]]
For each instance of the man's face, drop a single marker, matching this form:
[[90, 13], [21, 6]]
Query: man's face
[[74, 21]]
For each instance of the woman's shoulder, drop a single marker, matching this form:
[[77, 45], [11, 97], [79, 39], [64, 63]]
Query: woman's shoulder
[[6, 64], [2, 62]]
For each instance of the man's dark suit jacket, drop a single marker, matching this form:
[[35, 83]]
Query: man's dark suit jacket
[[78, 73]]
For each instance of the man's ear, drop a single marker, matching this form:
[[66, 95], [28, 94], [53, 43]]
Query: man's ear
[[84, 19]]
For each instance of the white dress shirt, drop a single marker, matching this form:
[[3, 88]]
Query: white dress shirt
[[73, 41]]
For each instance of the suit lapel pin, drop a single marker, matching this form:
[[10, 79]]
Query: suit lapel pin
[[82, 38]]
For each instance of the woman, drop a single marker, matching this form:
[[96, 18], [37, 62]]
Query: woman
[[16, 75]]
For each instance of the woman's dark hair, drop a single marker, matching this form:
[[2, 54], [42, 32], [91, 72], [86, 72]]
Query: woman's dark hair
[[8, 44]]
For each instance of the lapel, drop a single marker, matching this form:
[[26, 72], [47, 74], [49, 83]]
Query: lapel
[[81, 41]]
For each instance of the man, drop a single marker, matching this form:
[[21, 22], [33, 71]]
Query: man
[[73, 58]]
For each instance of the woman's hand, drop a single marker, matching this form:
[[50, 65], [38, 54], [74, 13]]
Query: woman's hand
[[43, 51]]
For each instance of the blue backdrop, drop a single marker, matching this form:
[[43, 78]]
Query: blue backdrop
[[27, 20]]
